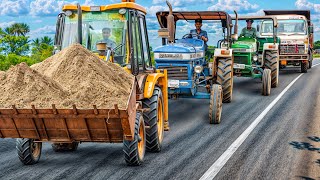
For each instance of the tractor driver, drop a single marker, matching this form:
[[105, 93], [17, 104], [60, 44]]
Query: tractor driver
[[201, 33], [249, 31], [106, 32]]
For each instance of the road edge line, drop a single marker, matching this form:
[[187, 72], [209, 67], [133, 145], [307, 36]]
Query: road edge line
[[222, 160]]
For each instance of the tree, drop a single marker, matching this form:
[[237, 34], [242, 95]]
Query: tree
[[19, 29], [47, 40], [42, 48], [18, 45]]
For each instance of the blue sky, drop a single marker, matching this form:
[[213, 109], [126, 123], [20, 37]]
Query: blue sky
[[41, 14]]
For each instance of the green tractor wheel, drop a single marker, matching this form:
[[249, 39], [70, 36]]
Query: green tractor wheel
[[225, 78], [215, 107], [266, 82], [272, 63]]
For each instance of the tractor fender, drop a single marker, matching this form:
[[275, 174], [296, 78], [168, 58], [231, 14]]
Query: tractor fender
[[269, 47], [223, 53]]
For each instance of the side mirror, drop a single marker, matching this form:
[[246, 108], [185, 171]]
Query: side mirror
[[234, 37], [258, 28], [310, 29], [164, 33]]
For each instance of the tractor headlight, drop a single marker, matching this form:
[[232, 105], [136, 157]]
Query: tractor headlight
[[255, 58], [198, 69]]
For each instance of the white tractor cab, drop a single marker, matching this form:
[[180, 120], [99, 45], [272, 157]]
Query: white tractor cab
[[295, 31]]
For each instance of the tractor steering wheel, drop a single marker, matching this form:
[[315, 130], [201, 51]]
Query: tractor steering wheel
[[191, 36]]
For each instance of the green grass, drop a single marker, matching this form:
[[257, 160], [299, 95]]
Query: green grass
[[316, 56]]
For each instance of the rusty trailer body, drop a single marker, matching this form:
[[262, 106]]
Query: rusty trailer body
[[70, 125]]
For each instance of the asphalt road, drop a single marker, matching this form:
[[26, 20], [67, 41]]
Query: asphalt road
[[284, 145]]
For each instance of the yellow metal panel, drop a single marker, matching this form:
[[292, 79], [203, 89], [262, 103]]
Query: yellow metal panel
[[127, 70], [162, 80], [128, 5], [151, 81]]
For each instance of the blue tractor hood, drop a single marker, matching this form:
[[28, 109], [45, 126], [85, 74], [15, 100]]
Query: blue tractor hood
[[182, 46]]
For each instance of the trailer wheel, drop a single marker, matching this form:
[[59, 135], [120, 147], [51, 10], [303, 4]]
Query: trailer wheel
[[272, 63], [215, 107], [266, 82], [154, 119], [304, 67], [29, 152], [61, 147], [225, 78], [134, 150]]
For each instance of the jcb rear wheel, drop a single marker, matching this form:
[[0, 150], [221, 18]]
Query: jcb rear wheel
[[266, 82], [134, 150], [225, 78], [61, 147], [29, 152], [154, 119], [215, 107], [272, 63]]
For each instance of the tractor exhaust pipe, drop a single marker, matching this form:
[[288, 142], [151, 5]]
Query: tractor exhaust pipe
[[170, 24], [79, 23], [236, 24]]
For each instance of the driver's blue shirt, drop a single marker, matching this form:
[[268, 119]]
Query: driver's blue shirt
[[202, 33]]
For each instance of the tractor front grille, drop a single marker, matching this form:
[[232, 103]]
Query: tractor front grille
[[176, 72], [292, 49], [241, 59]]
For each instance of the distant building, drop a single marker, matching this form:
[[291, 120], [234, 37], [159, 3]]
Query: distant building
[[317, 51]]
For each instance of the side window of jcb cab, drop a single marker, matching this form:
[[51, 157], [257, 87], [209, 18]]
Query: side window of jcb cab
[[140, 39]]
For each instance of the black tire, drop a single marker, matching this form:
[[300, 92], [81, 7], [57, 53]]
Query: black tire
[[272, 63], [61, 147], [154, 119], [29, 152], [134, 150], [225, 78], [215, 107], [304, 67], [266, 82], [310, 60]]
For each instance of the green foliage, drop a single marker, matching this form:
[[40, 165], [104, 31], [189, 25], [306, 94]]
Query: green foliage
[[12, 59], [15, 45], [317, 45]]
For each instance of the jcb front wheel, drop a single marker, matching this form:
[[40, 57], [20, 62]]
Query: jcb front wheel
[[134, 150], [154, 119], [29, 152], [215, 107]]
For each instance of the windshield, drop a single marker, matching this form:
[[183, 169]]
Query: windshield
[[266, 28], [292, 26], [98, 27]]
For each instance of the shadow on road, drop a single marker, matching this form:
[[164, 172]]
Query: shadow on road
[[305, 178], [304, 146]]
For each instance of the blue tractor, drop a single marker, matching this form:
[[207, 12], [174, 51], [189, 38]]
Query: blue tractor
[[194, 71]]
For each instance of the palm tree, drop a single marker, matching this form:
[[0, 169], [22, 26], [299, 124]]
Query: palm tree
[[47, 40], [19, 29]]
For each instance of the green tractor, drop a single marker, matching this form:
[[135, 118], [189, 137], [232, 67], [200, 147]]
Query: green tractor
[[258, 57]]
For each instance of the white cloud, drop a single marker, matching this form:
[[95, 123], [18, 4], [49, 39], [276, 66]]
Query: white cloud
[[304, 4], [44, 30], [48, 7], [6, 24], [179, 3], [14, 7], [89, 3], [242, 6]]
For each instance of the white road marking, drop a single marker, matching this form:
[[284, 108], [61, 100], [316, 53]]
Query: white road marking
[[223, 159]]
